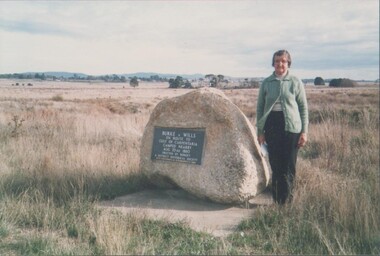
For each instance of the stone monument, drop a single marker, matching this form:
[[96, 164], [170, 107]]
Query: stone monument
[[203, 143]]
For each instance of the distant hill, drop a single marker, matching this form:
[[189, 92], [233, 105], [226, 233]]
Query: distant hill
[[138, 74], [44, 75], [148, 76], [57, 74], [65, 74], [163, 75]]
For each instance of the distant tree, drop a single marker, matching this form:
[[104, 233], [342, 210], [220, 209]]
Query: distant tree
[[248, 83], [123, 79], [319, 81], [176, 83], [155, 78], [134, 82], [220, 77], [348, 83], [106, 78], [342, 82], [210, 78], [214, 80], [40, 76], [115, 78], [171, 83], [187, 85]]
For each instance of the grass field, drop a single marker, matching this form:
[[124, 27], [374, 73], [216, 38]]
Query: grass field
[[65, 146]]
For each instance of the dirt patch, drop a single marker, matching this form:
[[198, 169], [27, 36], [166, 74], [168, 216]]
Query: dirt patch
[[178, 205]]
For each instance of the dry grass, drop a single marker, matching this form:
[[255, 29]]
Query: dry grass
[[64, 145]]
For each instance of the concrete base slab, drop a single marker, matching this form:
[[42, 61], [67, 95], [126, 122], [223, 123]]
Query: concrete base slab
[[178, 205]]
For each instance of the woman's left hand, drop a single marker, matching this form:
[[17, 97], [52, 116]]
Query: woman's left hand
[[302, 140]]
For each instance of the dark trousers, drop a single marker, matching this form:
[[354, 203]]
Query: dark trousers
[[282, 149]]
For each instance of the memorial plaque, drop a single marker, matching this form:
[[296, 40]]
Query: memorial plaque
[[178, 144]]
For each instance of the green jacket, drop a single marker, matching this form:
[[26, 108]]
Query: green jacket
[[292, 96]]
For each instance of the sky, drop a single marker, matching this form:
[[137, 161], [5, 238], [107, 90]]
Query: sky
[[327, 38]]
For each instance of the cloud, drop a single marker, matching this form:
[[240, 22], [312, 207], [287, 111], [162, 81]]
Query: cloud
[[34, 28], [230, 37]]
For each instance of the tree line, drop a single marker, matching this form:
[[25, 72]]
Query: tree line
[[76, 77], [178, 82]]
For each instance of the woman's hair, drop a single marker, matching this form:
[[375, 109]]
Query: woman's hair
[[280, 53]]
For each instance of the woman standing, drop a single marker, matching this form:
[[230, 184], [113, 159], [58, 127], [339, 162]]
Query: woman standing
[[282, 123]]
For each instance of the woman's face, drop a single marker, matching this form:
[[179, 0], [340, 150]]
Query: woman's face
[[281, 65]]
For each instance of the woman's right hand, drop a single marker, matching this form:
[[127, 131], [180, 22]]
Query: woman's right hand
[[261, 139]]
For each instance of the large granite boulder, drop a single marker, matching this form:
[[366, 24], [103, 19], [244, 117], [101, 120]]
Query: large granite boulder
[[229, 168]]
